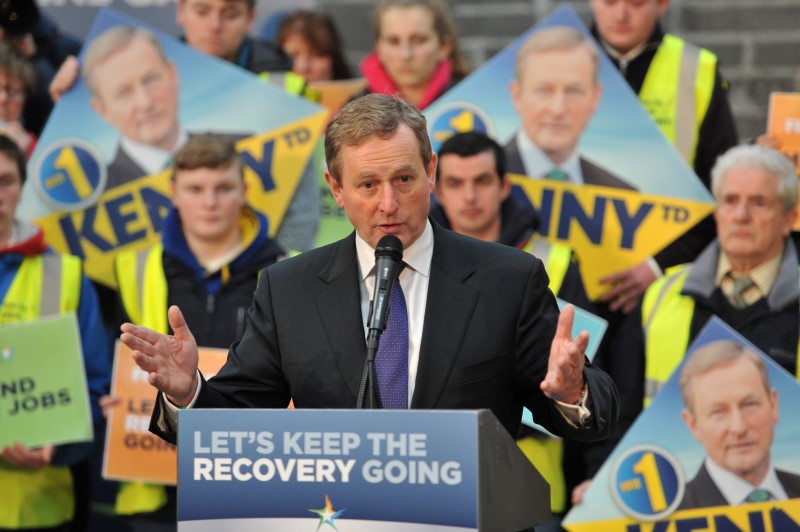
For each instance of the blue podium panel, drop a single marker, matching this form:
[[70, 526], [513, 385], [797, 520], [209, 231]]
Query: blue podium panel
[[345, 470]]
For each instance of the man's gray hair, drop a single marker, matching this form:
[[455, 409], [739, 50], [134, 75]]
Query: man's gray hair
[[110, 42], [557, 38], [769, 160]]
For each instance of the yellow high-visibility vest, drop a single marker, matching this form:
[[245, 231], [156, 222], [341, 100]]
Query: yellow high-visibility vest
[[143, 290], [666, 322], [677, 92], [40, 498]]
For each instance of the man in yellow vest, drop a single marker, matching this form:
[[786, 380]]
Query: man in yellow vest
[[37, 485], [681, 87], [749, 277], [213, 247]]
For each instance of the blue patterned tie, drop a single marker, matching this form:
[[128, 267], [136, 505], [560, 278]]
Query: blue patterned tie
[[391, 362]]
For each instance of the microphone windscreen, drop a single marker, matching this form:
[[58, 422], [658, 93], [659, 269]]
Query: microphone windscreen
[[389, 246]]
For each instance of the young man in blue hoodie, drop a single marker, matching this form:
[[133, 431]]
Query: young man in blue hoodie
[[213, 246]]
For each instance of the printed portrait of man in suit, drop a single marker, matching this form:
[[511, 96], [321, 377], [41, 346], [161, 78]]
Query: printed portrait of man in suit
[[732, 409], [135, 89], [556, 91]]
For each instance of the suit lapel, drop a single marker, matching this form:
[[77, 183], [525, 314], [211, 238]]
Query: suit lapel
[[449, 307], [338, 304]]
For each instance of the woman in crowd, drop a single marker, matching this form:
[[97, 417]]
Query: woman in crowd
[[310, 38], [416, 51], [17, 82]]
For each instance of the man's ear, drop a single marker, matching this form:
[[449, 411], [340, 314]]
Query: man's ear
[[505, 183], [336, 188], [432, 173], [691, 421], [98, 107]]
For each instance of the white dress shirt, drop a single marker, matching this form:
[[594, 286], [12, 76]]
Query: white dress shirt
[[414, 281], [537, 164], [150, 158], [735, 489]]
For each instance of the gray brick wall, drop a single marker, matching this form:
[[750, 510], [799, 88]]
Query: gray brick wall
[[756, 41]]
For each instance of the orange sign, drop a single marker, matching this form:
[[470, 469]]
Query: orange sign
[[784, 125], [131, 451]]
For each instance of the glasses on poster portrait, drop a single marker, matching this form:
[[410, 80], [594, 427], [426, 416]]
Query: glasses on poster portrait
[[13, 93]]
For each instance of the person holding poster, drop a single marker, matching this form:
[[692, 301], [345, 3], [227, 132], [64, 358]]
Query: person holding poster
[[555, 92], [38, 484], [749, 277], [694, 115], [731, 409], [472, 192], [503, 344], [213, 247]]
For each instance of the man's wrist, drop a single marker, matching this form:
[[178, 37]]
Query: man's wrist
[[582, 396]]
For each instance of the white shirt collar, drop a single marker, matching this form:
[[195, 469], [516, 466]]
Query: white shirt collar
[[537, 164], [150, 158], [418, 256], [735, 489]]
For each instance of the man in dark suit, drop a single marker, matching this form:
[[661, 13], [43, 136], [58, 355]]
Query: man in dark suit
[[732, 410], [556, 91], [481, 325]]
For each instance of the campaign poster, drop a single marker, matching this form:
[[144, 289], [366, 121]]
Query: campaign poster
[[43, 393], [131, 451], [783, 123], [99, 180], [694, 468], [638, 194]]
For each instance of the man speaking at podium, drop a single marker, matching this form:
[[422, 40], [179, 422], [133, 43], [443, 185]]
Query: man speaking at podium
[[478, 327]]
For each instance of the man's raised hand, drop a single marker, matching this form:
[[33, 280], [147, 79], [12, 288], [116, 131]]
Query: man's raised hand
[[169, 360]]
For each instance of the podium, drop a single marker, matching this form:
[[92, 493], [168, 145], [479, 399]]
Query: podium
[[354, 471]]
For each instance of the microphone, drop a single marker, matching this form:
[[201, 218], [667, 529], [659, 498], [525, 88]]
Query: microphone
[[388, 258]]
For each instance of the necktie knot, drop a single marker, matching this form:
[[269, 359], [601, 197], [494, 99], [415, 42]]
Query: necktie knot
[[759, 495], [740, 286], [557, 174]]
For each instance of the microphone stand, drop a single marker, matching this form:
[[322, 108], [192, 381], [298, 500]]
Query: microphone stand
[[367, 396]]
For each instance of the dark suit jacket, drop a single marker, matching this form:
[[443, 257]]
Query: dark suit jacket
[[123, 169], [592, 174], [701, 492], [489, 322]]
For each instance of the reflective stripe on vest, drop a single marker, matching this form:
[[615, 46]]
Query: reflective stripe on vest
[[40, 498], [556, 258], [143, 290], [677, 92], [666, 321], [143, 287]]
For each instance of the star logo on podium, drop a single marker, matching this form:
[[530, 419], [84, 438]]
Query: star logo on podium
[[327, 514]]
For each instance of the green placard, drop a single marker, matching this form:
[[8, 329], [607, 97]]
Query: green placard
[[43, 392]]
